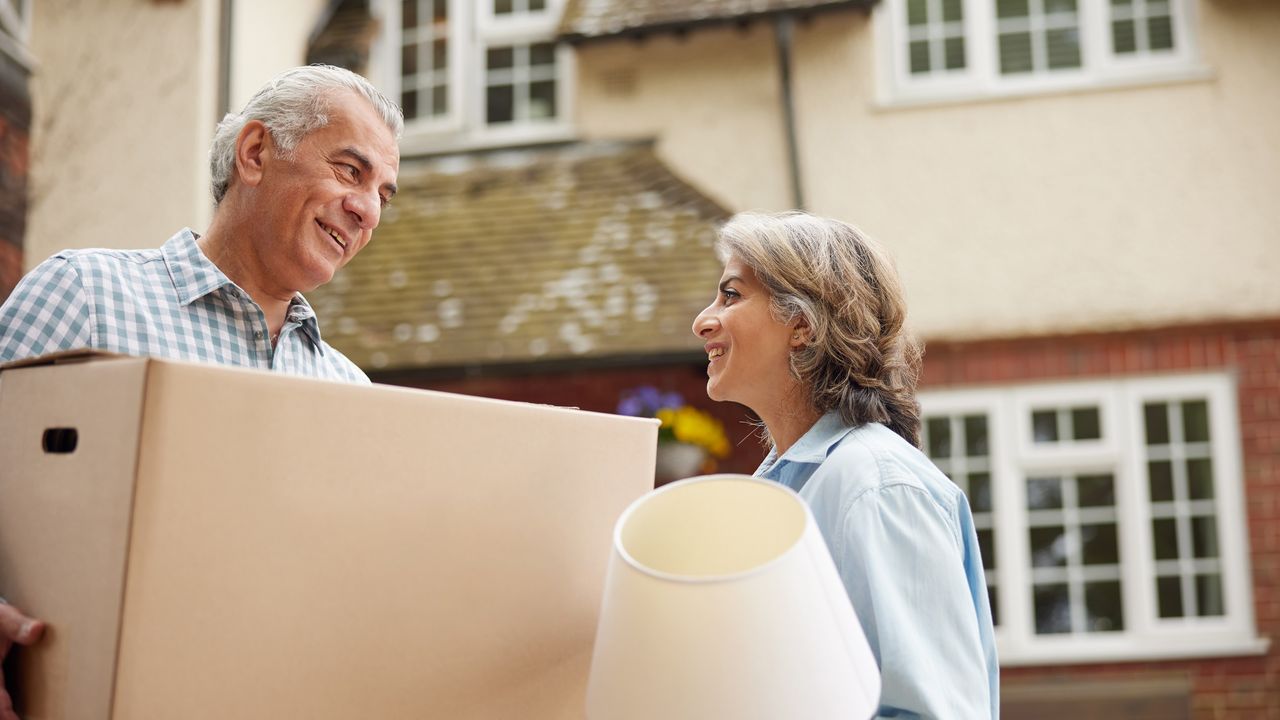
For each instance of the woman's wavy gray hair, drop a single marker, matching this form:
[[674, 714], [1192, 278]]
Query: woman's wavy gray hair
[[858, 358], [292, 104]]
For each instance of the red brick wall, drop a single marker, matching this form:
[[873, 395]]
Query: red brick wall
[[1223, 689], [15, 125]]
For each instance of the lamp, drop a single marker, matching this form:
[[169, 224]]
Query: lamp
[[721, 601]]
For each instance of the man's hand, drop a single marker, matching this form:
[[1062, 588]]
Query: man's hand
[[14, 628]]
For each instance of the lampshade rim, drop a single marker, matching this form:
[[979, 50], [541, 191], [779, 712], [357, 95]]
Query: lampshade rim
[[619, 548]]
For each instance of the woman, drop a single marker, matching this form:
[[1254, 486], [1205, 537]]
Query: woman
[[807, 330]]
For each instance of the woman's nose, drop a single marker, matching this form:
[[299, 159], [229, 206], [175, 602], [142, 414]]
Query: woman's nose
[[705, 322]]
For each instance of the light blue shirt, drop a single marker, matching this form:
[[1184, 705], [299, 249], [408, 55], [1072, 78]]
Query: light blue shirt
[[171, 302], [903, 540]]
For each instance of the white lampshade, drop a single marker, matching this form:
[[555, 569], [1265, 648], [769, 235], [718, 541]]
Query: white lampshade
[[722, 601]]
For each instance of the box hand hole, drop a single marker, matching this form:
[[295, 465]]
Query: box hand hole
[[60, 441]]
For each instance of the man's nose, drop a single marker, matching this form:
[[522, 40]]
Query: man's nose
[[366, 207]]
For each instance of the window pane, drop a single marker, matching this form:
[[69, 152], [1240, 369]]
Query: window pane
[[1169, 596], [409, 14], [920, 56], [1200, 479], [1209, 595], [542, 54], [1064, 48], [1123, 39], [980, 492], [1204, 536], [1044, 423], [986, 544], [500, 104], [537, 5], [1085, 424], [1160, 473], [440, 99], [1099, 544], [1053, 6], [1195, 421], [500, 58], [502, 7], [409, 104], [917, 12], [440, 11], [993, 598], [1103, 608], [409, 59], [542, 99], [1011, 8], [1164, 533], [939, 432], [1157, 422], [1044, 493], [1096, 490], [954, 50], [1048, 547], [1160, 33], [951, 10], [439, 55], [1121, 3], [975, 435], [1053, 609]]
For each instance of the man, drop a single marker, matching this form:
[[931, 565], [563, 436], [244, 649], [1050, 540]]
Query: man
[[300, 179]]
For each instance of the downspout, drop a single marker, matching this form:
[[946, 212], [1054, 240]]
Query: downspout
[[224, 60], [783, 25]]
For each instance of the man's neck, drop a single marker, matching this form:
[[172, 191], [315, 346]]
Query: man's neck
[[235, 251]]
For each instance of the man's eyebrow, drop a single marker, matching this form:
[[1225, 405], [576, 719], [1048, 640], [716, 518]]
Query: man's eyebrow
[[367, 166]]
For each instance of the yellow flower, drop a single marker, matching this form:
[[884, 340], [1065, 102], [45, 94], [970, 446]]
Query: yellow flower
[[691, 425]]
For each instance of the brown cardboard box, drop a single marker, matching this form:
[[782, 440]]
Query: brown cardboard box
[[229, 543]]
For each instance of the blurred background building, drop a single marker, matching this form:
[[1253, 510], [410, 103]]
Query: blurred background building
[[1081, 195]]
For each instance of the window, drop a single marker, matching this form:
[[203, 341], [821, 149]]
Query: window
[[1109, 515], [474, 72], [938, 49]]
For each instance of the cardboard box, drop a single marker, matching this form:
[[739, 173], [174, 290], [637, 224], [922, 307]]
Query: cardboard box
[[230, 543]]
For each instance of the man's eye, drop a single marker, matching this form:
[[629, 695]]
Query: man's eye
[[351, 170], [386, 203]]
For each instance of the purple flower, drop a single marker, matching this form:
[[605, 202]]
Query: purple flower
[[646, 401]]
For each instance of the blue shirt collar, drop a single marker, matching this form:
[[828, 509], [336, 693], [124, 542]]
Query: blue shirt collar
[[801, 459], [194, 276]]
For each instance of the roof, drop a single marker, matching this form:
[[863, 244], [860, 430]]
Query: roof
[[344, 35], [580, 251], [589, 19]]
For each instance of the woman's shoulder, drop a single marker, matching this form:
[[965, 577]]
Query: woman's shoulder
[[873, 457]]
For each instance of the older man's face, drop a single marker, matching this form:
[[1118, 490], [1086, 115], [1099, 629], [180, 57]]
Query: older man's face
[[324, 200]]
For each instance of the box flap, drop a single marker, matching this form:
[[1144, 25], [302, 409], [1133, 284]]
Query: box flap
[[62, 357]]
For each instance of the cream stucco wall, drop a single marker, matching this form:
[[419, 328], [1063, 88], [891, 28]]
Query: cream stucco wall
[[122, 100], [1128, 207], [267, 38]]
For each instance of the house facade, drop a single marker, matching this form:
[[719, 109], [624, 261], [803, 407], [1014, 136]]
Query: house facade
[[1079, 194]]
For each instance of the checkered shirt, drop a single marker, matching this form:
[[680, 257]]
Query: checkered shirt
[[172, 302]]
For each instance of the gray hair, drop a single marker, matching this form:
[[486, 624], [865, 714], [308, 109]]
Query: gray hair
[[291, 105], [858, 358]]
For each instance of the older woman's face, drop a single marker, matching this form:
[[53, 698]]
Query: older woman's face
[[747, 348]]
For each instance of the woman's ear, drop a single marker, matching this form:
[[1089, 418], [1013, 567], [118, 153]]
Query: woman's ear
[[251, 146], [801, 335]]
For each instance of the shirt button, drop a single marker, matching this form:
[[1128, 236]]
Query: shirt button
[[258, 334]]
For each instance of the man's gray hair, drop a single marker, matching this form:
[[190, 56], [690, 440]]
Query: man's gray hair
[[291, 105]]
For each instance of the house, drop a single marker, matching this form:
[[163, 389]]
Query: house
[[1079, 193]]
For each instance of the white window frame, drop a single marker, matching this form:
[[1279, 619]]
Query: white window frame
[[1122, 453], [981, 77], [473, 28]]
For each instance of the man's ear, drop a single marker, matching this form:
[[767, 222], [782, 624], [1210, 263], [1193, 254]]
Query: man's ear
[[252, 144], [800, 333]]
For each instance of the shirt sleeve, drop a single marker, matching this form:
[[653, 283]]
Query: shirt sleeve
[[48, 311], [901, 561]]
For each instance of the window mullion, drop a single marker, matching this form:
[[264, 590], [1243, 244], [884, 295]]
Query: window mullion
[[1010, 517]]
